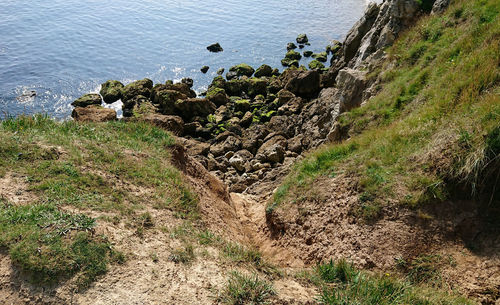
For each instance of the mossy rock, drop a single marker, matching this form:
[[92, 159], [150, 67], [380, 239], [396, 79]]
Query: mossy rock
[[87, 100], [323, 57], [291, 46], [236, 87], [266, 117], [242, 70], [302, 38], [264, 70], [111, 91], [141, 87], [293, 55], [217, 96], [242, 105], [218, 82], [287, 62], [165, 99], [257, 86], [315, 64], [308, 53]]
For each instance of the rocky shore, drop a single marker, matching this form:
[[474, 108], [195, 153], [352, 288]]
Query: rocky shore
[[251, 122]]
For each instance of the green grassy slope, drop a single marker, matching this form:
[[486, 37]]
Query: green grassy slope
[[435, 122]]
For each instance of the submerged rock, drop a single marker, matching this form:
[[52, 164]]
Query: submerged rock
[[93, 113], [111, 91], [242, 70], [87, 100], [204, 69], [215, 47], [302, 38]]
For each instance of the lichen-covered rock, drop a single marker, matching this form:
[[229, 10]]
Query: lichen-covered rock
[[302, 38], [204, 69], [215, 47], [172, 123], [93, 113], [193, 107], [111, 91], [291, 46], [217, 96], [257, 86], [322, 57], [87, 100], [293, 55], [315, 64], [141, 87], [182, 88], [242, 70], [264, 70]]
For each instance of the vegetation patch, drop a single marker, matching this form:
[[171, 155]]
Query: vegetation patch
[[246, 289]]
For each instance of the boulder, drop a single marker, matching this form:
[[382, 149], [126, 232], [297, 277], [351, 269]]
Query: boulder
[[192, 107], [293, 55], [322, 57], [194, 147], [131, 104], [302, 38], [247, 119], [93, 113], [351, 84], [287, 62], [111, 91], [264, 70], [253, 137], [172, 123], [215, 47], [439, 6], [303, 83], [141, 87], [281, 124], [236, 87], [239, 160], [188, 81], [291, 107], [204, 69], [217, 96], [316, 64], [231, 143], [295, 144], [165, 99], [182, 87], [273, 150], [284, 96], [218, 82], [291, 46], [231, 75], [242, 70], [308, 53], [242, 105], [257, 86], [87, 100]]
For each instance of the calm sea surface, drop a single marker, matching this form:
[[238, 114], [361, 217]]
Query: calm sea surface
[[61, 49]]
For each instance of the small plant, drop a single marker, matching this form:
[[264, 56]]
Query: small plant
[[246, 289], [342, 272], [183, 255]]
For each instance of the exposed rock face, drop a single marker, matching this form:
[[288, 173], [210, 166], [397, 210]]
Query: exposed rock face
[[93, 113], [351, 85], [111, 91], [87, 100]]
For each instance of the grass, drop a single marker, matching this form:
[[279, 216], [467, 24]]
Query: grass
[[246, 289], [115, 167], [341, 283], [433, 125], [50, 244]]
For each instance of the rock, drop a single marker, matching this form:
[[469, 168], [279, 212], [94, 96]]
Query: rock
[[93, 113], [181, 87], [284, 96], [439, 6], [293, 55], [191, 128], [257, 86], [165, 99], [308, 53], [247, 119], [193, 107], [194, 147], [220, 71], [287, 62], [111, 91], [323, 57], [188, 81], [172, 123], [302, 38], [133, 103], [315, 64], [276, 72], [242, 105], [253, 137], [217, 96], [301, 46], [239, 160], [281, 124], [218, 82], [351, 84], [215, 48], [238, 187], [231, 75], [290, 46], [334, 47], [204, 69], [236, 87], [264, 70], [231, 143], [295, 144], [273, 150], [242, 70], [87, 100], [141, 87], [303, 83], [292, 107]]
